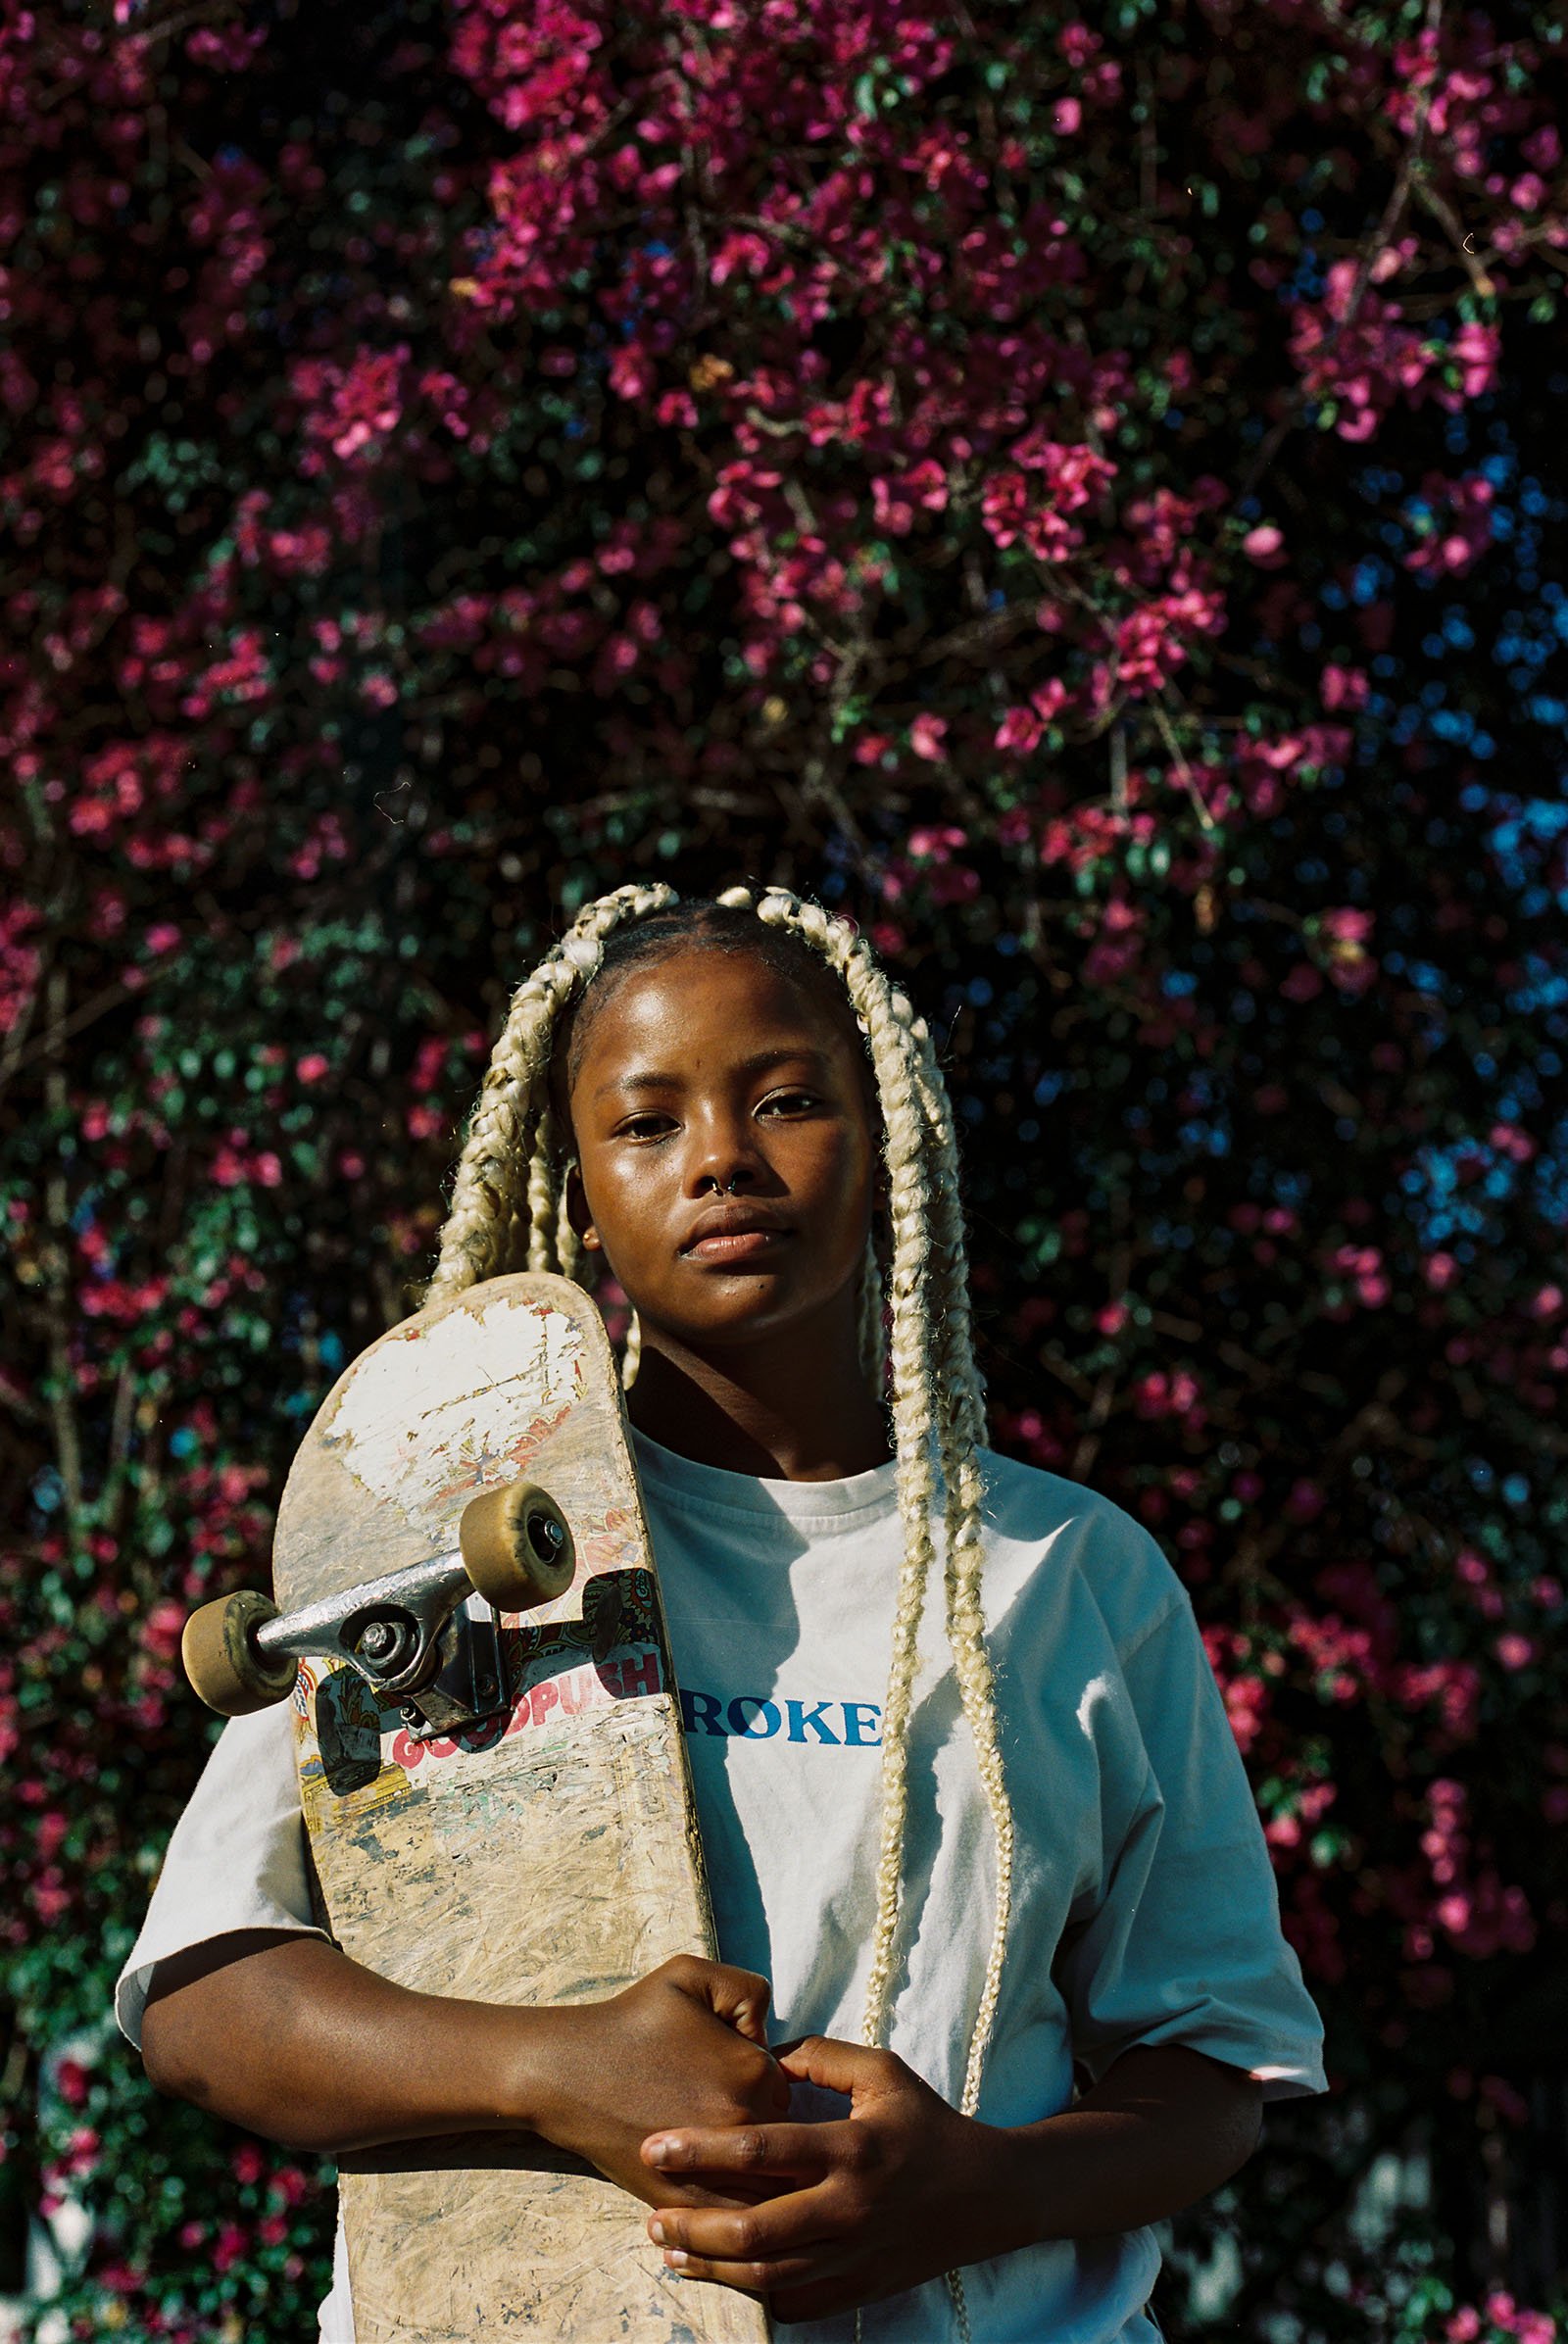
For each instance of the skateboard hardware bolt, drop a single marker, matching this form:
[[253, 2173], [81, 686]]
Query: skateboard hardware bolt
[[378, 1641], [546, 1536]]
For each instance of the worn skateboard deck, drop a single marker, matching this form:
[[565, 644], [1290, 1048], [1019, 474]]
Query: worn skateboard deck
[[549, 1855]]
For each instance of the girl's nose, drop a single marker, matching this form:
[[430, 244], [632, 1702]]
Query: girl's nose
[[724, 1164], [731, 1177]]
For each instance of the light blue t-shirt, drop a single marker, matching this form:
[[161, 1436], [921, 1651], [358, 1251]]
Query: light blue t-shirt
[[1144, 1904]]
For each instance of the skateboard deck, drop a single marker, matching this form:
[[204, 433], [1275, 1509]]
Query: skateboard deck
[[549, 1854]]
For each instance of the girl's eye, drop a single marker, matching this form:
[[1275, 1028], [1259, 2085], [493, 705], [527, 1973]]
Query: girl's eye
[[789, 1103], [645, 1127]]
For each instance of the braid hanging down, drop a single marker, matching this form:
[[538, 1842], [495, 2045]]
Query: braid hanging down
[[508, 1208]]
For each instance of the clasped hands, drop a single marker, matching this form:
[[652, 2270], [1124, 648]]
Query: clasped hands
[[817, 2217], [893, 2194]]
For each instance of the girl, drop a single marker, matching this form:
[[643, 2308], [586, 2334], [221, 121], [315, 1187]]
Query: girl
[[973, 1816]]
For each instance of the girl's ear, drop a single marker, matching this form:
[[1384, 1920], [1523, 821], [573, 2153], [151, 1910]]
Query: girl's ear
[[577, 1213]]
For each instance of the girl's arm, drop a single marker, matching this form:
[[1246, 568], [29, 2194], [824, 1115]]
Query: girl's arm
[[289, 2037], [905, 2189]]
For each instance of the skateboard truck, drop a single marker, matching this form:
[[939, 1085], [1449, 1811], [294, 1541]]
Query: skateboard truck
[[413, 1635]]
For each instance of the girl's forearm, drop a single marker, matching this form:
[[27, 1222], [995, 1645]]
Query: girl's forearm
[[1164, 2127], [289, 2037]]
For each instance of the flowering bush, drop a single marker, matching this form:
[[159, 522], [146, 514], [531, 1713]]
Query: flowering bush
[[1066, 485]]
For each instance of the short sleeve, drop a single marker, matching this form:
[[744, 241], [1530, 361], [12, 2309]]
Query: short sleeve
[[236, 1860], [1185, 1945]]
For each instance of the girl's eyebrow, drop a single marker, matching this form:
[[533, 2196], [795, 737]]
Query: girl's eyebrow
[[788, 1052]]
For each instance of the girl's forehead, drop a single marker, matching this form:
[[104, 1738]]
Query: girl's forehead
[[733, 992]]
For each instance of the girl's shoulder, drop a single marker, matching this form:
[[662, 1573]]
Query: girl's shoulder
[[1066, 1530]]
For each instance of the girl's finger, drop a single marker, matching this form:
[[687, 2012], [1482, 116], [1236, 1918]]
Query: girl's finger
[[845, 2067], [774, 2228], [751, 2279], [743, 2149]]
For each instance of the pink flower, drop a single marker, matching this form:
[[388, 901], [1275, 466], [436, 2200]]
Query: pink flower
[[1453, 525], [1514, 1652], [927, 737], [354, 409], [311, 1067], [1264, 545], [631, 373], [936, 844], [1078, 44], [70, 2082], [1344, 687], [1019, 729]]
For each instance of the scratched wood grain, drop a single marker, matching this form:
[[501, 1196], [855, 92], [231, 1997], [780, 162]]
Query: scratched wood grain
[[554, 1858]]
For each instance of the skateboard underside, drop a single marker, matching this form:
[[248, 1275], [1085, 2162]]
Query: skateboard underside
[[549, 1855]]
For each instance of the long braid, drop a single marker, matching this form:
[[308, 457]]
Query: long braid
[[962, 1412], [631, 1350], [503, 1163], [544, 1195], [569, 1245]]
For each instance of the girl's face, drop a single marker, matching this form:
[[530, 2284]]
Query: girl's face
[[728, 1156]]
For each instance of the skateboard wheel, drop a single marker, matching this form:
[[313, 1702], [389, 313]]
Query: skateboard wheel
[[517, 1546], [225, 1668]]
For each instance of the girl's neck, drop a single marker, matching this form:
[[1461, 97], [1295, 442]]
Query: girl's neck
[[795, 1409]]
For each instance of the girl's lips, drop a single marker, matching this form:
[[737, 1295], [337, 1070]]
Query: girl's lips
[[734, 1245]]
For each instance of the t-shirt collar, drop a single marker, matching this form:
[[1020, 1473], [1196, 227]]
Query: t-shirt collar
[[862, 1496]]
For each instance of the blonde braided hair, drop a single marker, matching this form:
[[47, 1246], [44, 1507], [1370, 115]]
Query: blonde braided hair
[[511, 1127], [507, 1204]]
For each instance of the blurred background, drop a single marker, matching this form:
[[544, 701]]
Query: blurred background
[[1080, 493]]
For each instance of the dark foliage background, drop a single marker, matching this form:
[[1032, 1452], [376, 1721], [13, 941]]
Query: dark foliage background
[[1078, 491]]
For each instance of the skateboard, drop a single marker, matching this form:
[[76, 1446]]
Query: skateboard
[[467, 1629]]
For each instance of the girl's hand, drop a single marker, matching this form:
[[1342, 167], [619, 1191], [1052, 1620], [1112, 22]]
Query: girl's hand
[[687, 2044], [907, 2188], [902, 2190]]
